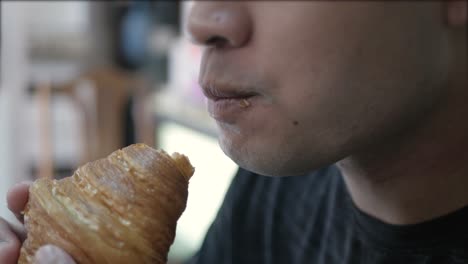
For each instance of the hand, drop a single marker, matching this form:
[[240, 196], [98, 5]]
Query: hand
[[13, 235]]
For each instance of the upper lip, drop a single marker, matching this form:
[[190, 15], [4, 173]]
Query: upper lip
[[219, 91]]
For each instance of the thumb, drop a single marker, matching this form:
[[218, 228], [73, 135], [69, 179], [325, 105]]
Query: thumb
[[52, 255]]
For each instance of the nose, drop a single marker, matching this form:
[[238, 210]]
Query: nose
[[219, 23]]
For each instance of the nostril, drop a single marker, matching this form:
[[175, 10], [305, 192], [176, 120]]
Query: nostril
[[217, 41]]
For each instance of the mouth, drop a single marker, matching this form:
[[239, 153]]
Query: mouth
[[226, 103], [218, 92]]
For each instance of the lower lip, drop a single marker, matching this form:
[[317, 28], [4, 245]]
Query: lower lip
[[228, 110]]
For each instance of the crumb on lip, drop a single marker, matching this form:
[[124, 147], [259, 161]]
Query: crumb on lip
[[244, 103]]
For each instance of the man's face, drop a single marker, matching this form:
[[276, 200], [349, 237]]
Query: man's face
[[298, 85]]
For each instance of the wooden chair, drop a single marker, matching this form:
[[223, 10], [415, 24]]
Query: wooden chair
[[101, 96]]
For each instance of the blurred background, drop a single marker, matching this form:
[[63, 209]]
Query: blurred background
[[80, 79]]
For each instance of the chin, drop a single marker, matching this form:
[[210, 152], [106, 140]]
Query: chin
[[272, 162]]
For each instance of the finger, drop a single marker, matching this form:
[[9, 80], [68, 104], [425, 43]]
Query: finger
[[18, 229], [50, 254], [17, 197], [9, 244]]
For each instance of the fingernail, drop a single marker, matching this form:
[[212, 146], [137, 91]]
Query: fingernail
[[51, 255]]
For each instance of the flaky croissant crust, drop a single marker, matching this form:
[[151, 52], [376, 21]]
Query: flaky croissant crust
[[120, 209]]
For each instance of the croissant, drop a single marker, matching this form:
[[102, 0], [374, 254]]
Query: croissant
[[120, 209]]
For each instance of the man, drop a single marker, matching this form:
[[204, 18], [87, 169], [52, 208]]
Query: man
[[379, 88]]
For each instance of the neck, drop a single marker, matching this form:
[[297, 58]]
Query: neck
[[416, 177]]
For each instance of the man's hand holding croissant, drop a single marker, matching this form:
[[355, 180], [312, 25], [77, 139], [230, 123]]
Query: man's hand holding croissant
[[12, 235], [120, 209]]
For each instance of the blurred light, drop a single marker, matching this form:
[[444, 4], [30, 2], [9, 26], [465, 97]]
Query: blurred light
[[213, 174]]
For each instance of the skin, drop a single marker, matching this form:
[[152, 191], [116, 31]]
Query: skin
[[377, 86], [322, 98]]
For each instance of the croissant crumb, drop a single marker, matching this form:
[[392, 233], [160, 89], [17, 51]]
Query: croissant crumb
[[120, 209]]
